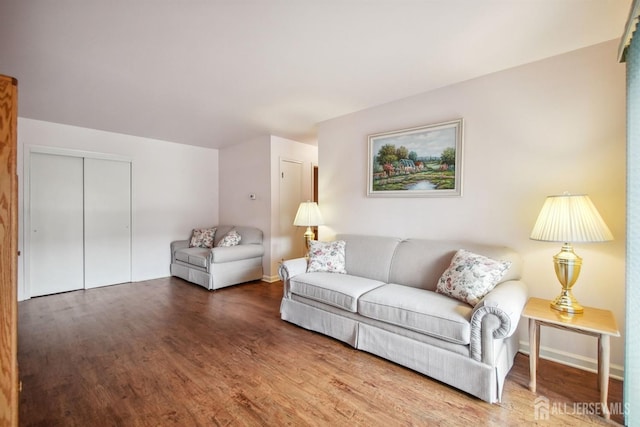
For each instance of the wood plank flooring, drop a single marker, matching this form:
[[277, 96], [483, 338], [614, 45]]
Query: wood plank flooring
[[166, 352]]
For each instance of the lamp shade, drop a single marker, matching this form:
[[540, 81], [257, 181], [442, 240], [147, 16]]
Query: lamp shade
[[570, 218], [308, 215]]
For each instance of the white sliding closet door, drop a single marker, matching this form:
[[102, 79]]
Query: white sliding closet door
[[56, 234], [107, 222]]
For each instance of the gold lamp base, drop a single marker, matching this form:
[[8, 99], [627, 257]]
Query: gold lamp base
[[567, 265], [308, 236], [567, 303]]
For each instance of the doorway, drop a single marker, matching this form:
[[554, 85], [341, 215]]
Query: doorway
[[291, 242]]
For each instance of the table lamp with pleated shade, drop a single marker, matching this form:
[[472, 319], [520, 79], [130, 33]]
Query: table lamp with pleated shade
[[569, 218]]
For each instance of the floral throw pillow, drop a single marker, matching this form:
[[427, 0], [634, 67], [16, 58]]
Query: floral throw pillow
[[202, 237], [327, 257], [471, 276], [232, 238]]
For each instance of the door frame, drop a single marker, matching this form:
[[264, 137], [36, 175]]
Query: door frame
[[9, 252], [24, 292], [281, 197]]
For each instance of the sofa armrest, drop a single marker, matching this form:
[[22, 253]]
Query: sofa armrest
[[496, 316], [177, 245], [289, 269], [219, 255]]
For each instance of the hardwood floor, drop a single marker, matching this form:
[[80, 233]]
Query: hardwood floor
[[166, 352]]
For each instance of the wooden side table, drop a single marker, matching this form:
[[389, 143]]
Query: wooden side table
[[595, 322]]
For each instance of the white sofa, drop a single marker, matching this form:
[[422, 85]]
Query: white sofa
[[386, 304], [219, 267]]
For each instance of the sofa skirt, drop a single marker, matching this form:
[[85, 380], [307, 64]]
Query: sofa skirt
[[222, 274], [333, 325], [231, 273], [190, 275], [460, 371]]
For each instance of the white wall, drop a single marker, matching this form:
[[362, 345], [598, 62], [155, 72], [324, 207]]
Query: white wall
[[531, 131], [245, 170], [253, 167], [174, 188]]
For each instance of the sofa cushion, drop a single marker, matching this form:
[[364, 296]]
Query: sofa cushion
[[420, 262], [221, 231], [202, 237], [194, 256], [327, 257], [232, 238], [339, 290], [419, 310], [250, 235], [471, 276], [369, 256]]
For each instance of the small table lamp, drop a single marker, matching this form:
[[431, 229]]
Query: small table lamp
[[569, 218], [308, 216]]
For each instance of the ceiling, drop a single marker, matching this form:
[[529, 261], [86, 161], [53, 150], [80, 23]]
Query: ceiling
[[217, 72]]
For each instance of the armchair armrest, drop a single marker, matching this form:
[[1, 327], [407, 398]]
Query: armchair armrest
[[219, 255], [289, 269], [496, 316], [176, 245]]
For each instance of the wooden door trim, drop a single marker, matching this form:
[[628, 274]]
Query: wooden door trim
[[8, 252]]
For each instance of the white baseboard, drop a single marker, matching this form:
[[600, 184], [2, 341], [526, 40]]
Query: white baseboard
[[270, 279], [573, 360]]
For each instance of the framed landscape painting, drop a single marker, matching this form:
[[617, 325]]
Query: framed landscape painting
[[419, 162]]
